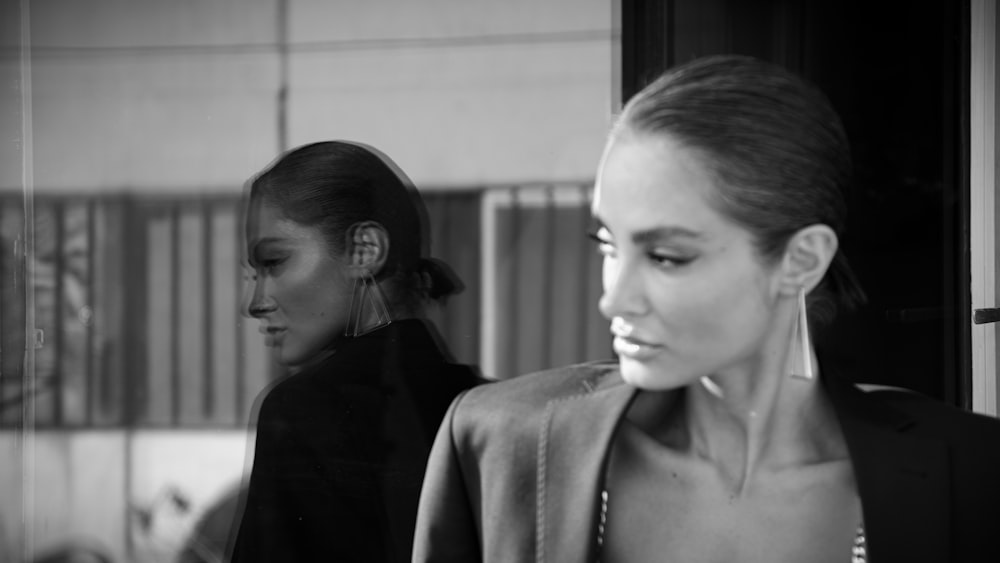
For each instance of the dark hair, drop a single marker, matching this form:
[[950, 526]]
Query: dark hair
[[772, 140], [333, 185]]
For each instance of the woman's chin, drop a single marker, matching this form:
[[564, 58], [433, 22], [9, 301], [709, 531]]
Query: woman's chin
[[284, 357], [648, 375]]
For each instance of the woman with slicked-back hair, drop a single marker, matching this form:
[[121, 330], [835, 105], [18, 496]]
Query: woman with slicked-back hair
[[718, 435], [337, 239]]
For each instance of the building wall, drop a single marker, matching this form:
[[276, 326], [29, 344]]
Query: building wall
[[152, 96]]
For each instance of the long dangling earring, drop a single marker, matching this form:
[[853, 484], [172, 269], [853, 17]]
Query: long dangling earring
[[801, 364], [366, 289]]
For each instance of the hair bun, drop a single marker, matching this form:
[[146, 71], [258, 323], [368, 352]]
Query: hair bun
[[438, 279]]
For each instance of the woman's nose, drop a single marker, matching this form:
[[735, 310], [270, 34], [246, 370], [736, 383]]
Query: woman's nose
[[259, 303], [623, 292]]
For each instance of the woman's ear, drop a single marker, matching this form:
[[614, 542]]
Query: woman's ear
[[367, 247], [808, 255]]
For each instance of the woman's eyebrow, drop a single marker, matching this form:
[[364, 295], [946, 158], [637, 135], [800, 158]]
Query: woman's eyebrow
[[264, 241], [662, 233], [650, 235]]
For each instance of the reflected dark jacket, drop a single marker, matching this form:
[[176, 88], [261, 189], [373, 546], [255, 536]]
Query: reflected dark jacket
[[517, 469], [341, 450]]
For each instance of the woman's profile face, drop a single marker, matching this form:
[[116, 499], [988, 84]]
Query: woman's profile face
[[301, 290], [685, 291]]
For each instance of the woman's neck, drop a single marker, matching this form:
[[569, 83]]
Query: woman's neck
[[745, 424]]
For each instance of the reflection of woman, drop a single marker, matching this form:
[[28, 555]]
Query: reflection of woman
[[335, 237], [716, 436]]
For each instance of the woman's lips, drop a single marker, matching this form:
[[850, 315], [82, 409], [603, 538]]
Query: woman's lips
[[627, 343], [634, 348], [271, 334]]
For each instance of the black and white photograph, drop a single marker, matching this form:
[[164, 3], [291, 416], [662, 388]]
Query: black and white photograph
[[435, 281]]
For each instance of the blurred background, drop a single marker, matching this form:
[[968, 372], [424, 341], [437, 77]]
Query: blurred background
[[130, 127], [146, 118]]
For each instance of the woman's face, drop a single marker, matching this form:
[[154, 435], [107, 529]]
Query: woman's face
[[301, 290], [684, 289]]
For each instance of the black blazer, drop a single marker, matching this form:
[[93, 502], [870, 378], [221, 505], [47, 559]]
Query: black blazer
[[517, 467], [341, 450]]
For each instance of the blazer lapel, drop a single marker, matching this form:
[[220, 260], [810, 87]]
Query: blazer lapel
[[903, 481], [573, 445]]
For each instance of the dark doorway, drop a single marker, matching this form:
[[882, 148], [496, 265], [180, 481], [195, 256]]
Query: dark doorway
[[896, 73]]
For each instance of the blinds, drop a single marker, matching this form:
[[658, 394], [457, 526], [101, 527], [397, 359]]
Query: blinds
[[140, 298]]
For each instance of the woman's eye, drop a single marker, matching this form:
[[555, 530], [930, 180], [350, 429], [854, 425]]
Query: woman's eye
[[667, 259], [604, 246], [268, 265]]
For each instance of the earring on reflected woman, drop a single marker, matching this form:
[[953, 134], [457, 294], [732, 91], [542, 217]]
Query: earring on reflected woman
[[366, 289], [800, 361]]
